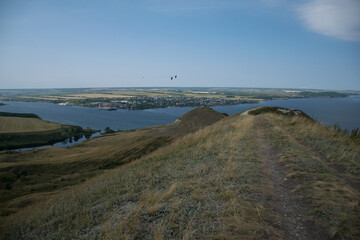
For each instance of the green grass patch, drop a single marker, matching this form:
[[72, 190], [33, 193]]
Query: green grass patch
[[22, 115]]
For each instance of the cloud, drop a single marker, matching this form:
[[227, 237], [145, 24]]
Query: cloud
[[336, 18]]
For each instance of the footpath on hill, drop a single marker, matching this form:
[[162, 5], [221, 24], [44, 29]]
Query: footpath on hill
[[287, 203], [315, 178]]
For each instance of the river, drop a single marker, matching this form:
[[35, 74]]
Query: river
[[329, 111]]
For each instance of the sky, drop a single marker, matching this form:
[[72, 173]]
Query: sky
[[313, 44]]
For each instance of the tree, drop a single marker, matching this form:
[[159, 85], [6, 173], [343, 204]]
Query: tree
[[109, 130]]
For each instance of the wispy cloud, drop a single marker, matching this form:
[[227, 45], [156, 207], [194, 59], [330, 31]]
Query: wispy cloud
[[336, 18]]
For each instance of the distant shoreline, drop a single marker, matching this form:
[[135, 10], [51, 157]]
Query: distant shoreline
[[152, 98], [142, 107]]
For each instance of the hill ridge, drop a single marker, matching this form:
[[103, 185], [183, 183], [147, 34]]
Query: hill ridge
[[215, 183]]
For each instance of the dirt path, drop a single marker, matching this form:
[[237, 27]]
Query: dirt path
[[247, 111], [289, 206]]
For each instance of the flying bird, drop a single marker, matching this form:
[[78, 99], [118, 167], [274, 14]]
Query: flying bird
[[171, 78], [175, 76]]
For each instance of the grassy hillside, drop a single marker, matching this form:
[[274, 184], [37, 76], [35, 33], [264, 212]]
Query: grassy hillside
[[267, 176], [278, 110], [33, 175]]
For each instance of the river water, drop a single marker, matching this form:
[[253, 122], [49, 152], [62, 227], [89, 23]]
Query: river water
[[329, 111]]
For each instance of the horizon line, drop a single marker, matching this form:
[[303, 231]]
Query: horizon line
[[142, 87]]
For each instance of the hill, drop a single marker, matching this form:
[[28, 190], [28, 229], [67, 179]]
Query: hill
[[265, 176], [34, 175], [194, 120], [278, 110]]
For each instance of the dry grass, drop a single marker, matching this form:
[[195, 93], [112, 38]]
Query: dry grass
[[207, 185], [53, 169], [335, 203], [336, 148], [18, 124]]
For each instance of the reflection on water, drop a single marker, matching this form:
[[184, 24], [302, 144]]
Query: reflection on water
[[66, 143], [75, 139]]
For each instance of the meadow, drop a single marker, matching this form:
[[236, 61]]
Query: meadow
[[19, 130], [18, 125]]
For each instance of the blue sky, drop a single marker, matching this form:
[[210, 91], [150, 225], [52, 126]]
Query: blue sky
[[207, 43]]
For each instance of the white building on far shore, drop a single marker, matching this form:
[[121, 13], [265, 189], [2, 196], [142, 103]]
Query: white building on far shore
[[64, 104]]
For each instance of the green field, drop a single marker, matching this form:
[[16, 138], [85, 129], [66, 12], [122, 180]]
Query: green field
[[19, 130], [17, 125], [264, 176]]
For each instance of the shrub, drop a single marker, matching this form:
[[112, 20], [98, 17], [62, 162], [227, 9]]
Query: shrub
[[355, 133], [23, 172], [109, 130], [8, 186]]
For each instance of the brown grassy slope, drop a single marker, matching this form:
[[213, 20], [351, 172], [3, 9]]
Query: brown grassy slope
[[213, 184], [333, 147], [207, 185], [321, 166], [196, 119], [34, 174]]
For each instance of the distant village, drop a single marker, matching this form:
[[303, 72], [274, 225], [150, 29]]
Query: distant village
[[147, 102]]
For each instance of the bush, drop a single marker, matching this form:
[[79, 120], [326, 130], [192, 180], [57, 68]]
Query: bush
[[337, 128], [355, 133], [23, 172], [8, 186], [88, 130], [109, 130]]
